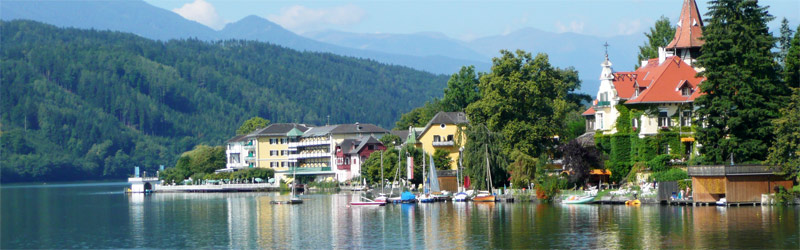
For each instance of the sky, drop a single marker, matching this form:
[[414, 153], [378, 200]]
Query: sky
[[463, 20]]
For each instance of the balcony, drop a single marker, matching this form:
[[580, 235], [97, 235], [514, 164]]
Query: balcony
[[728, 170], [603, 103], [308, 156], [249, 156], [443, 143], [293, 145]]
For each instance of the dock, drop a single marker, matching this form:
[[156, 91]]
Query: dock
[[216, 188]]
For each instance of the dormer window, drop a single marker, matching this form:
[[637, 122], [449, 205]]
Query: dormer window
[[686, 90]]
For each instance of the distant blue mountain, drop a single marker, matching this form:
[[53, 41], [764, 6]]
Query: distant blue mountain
[[418, 44], [583, 52], [137, 17], [432, 52]]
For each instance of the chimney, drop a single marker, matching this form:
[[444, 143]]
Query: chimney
[[644, 63], [662, 55]]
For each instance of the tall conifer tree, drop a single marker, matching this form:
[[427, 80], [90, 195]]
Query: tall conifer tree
[[785, 152], [742, 92]]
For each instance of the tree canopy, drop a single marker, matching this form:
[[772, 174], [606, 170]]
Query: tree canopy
[[785, 152], [87, 104], [251, 125], [742, 93], [660, 35]]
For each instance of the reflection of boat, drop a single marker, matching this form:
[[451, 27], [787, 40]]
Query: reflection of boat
[[574, 199]]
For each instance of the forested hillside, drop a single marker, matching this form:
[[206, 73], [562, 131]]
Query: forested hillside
[[85, 104]]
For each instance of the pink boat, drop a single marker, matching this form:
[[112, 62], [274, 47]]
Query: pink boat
[[368, 203]]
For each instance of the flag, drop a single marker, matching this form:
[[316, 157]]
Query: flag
[[410, 167]]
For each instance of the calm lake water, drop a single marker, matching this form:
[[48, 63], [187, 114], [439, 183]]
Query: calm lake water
[[100, 215]]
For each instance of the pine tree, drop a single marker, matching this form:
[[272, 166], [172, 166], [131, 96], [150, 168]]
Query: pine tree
[[660, 35], [785, 152], [742, 92], [784, 41]]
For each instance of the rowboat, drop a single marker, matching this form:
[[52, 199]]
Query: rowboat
[[574, 199], [484, 196]]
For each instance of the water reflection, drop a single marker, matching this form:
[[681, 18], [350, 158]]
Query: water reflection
[[95, 217]]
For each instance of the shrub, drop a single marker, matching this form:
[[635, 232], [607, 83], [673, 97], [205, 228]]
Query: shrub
[[660, 163], [674, 174]]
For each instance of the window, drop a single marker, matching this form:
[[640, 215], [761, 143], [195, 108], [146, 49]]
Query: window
[[600, 120], [442, 125], [371, 147], [686, 118], [273, 152], [229, 146], [283, 140], [437, 138], [663, 119], [634, 123], [449, 137], [283, 164], [686, 90]]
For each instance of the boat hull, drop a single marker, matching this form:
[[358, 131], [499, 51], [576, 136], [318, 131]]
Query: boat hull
[[488, 198], [368, 203], [578, 200]]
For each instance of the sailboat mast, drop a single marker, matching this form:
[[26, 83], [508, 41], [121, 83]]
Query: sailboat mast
[[382, 172], [488, 171]]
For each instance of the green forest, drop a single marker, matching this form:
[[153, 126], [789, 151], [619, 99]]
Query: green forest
[[86, 104]]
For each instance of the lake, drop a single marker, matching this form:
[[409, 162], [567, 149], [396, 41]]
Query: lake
[[100, 215]]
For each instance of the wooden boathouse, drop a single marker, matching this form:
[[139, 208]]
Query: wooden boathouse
[[738, 184]]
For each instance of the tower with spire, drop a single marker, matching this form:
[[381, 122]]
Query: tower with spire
[[686, 43]]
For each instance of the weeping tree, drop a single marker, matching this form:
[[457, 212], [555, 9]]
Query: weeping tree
[[483, 144]]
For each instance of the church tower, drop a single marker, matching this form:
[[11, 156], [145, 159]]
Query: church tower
[[686, 43]]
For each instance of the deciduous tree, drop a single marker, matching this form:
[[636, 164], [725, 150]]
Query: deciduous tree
[[660, 35]]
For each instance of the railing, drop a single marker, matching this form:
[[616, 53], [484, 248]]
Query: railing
[[725, 170], [443, 143], [308, 143], [249, 145], [250, 157], [309, 155], [603, 103]]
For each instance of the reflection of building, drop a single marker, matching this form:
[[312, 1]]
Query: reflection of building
[[737, 184], [441, 133]]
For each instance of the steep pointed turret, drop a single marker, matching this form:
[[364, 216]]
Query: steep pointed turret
[[686, 42]]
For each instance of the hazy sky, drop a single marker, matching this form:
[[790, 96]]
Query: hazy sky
[[458, 19]]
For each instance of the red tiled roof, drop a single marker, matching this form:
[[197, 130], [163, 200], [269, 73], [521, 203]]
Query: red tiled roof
[[690, 27], [664, 81], [589, 111], [623, 83]]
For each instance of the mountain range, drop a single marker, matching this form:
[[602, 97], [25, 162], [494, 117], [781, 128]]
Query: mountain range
[[432, 52]]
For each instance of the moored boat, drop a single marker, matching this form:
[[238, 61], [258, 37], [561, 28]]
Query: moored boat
[[460, 196], [575, 199], [484, 196]]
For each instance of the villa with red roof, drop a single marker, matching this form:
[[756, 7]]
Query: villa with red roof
[[664, 87]]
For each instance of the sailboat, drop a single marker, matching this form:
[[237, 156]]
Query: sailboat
[[426, 195], [461, 195], [294, 199], [381, 196], [395, 199], [486, 196]]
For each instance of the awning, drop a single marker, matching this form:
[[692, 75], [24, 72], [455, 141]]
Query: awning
[[687, 139], [600, 172]]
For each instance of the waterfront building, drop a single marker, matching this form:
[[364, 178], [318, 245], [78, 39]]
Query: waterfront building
[[315, 151], [735, 183], [351, 154], [273, 145], [443, 132], [663, 89], [240, 152]]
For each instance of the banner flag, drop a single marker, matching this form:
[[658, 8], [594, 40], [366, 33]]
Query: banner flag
[[410, 167]]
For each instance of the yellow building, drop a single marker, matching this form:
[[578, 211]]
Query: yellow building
[[441, 133], [273, 145]]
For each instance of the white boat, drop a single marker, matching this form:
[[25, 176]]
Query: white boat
[[575, 199], [461, 196]]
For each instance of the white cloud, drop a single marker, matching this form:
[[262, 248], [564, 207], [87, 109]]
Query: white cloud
[[628, 27], [574, 27], [300, 19], [202, 12]]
